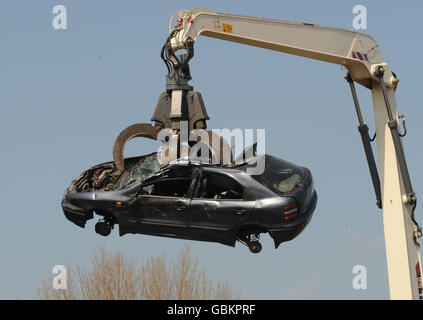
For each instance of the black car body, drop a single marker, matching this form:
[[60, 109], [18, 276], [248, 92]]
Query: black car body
[[195, 201]]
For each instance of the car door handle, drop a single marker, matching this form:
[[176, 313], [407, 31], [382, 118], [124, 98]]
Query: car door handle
[[240, 211], [180, 208]]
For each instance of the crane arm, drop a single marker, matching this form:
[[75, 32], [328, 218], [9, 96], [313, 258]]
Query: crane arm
[[361, 56], [356, 51]]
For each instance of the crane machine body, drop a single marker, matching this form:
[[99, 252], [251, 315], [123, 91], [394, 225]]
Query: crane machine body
[[361, 56]]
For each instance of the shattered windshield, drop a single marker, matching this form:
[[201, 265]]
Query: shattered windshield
[[140, 171], [280, 176]]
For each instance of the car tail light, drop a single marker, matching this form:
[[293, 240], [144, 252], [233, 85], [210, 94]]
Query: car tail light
[[290, 211]]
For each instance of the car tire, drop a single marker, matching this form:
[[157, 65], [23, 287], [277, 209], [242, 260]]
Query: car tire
[[103, 228], [255, 246]]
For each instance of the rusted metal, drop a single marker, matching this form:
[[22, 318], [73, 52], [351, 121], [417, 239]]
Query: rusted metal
[[145, 130]]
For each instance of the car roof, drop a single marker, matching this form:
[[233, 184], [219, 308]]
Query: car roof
[[235, 170], [186, 161]]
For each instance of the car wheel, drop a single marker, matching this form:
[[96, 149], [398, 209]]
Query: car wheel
[[255, 246], [103, 228]]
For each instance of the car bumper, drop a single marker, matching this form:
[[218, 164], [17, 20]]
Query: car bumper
[[290, 231], [76, 215]]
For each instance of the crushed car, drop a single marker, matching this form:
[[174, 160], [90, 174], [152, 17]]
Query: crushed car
[[195, 201]]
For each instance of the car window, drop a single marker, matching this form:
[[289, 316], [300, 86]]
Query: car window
[[140, 171], [177, 187], [218, 186], [280, 176]]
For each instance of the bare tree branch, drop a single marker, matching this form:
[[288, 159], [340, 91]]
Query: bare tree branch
[[111, 276]]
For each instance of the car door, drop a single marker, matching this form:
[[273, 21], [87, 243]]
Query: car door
[[161, 207], [213, 215]]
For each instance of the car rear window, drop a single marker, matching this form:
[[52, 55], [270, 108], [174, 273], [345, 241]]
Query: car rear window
[[279, 175]]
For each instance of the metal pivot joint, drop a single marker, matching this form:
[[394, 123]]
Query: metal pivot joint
[[179, 102], [178, 65], [364, 132]]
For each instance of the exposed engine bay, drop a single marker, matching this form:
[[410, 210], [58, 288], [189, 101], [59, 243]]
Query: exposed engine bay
[[106, 177]]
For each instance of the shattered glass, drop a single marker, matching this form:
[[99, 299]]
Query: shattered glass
[[140, 171]]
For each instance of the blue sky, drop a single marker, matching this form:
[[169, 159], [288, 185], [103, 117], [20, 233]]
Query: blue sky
[[66, 95]]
